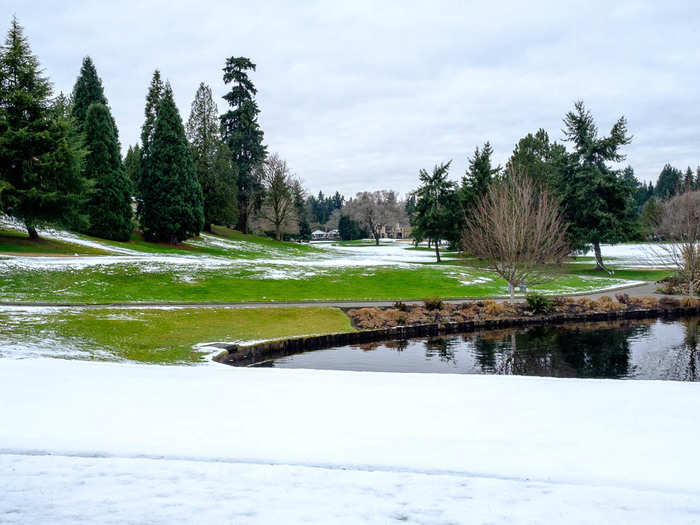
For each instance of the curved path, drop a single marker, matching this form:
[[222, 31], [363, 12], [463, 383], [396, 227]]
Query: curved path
[[634, 290]]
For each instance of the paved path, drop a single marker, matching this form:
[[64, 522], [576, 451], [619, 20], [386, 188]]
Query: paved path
[[635, 290]]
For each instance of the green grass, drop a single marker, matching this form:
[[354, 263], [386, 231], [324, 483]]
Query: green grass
[[245, 283], [162, 336], [16, 242]]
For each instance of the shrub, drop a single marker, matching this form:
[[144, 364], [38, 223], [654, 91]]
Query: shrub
[[669, 302], [539, 304], [606, 303], [605, 299], [623, 298], [690, 302], [432, 303], [494, 308], [401, 306]]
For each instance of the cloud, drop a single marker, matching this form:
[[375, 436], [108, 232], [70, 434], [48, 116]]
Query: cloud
[[361, 95]]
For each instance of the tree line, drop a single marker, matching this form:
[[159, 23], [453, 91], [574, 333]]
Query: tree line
[[600, 203]]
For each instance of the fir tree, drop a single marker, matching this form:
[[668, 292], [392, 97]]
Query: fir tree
[[243, 135], [669, 182], [479, 176], [132, 165], [437, 207], [40, 155], [171, 195], [109, 207], [87, 91], [216, 175], [155, 92], [597, 199]]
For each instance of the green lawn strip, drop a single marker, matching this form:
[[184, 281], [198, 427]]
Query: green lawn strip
[[19, 243], [100, 285], [166, 336]]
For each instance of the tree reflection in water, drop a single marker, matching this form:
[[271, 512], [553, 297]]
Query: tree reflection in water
[[559, 351]]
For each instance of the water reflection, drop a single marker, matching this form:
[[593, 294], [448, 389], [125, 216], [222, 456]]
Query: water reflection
[[642, 349]]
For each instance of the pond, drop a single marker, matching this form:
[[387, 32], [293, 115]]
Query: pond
[[639, 349]]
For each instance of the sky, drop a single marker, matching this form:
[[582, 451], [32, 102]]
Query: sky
[[362, 95]]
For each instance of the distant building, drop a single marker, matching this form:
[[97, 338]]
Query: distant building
[[395, 231], [320, 235]]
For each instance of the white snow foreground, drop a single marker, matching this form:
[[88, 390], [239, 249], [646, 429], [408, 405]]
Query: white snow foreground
[[110, 442]]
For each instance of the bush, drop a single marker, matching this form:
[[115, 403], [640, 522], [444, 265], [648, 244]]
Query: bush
[[539, 304], [494, 308], [432, 303], [690, 302], [623, 298], [401, 306]]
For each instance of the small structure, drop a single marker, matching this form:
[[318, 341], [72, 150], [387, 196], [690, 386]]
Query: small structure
[[319, 235], [333, 235]]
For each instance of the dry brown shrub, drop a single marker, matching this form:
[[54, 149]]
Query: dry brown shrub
[[605, 299], [494, 308], [586, 302], [690, 302]]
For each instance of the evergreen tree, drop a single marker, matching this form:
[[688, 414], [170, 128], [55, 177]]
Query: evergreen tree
[[669, 182], [40, 155], [437, 207], [219, 189], [538, 158], [171, 195], [688, 182], [132, 165], [109, 206], [242, 133], [87, 91], [153, 98], [478, 177], [300, 209], [596, 197], [216, 176]]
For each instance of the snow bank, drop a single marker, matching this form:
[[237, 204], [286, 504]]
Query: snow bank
[[636, 434], [80, 440]]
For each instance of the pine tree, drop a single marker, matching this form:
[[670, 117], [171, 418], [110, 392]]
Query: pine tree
[[216, 175], [155, 93], [109, 207], [40, 155], [688, 182], [243, 135], [171, 194], [437, 207], [87, 91], [132, 165], [597, 198], [669, 182], [478, 177]]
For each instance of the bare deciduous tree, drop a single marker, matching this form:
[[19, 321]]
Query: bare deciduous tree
[[374, 210], [516, 227], [278, 206], [680, 226]]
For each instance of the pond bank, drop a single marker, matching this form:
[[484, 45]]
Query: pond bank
[[238, 355]]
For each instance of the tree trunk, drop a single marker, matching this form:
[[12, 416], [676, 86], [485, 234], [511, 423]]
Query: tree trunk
[[376, 238], [599, 257], [437, 250], [511, 289], [33, 234], [243, 219], [207, 227], [278, 233]]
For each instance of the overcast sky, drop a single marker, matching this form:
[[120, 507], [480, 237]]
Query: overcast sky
[[361, 95]]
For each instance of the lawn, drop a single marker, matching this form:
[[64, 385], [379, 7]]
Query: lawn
[[13, 242], [154, 335]]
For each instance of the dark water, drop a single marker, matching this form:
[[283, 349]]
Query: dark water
[[640, 349]]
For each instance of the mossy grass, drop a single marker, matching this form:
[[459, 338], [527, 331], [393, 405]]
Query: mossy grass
[[13, 242], [166, 336]]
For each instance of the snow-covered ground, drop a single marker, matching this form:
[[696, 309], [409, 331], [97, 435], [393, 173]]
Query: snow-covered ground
[[642, 255], [106, 443]]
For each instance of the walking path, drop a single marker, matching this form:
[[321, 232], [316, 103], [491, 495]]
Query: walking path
[[634, 290]]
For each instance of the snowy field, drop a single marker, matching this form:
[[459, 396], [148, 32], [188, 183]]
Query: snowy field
[[124, 443]]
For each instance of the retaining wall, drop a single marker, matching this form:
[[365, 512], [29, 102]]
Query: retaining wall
[[247, 354]]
